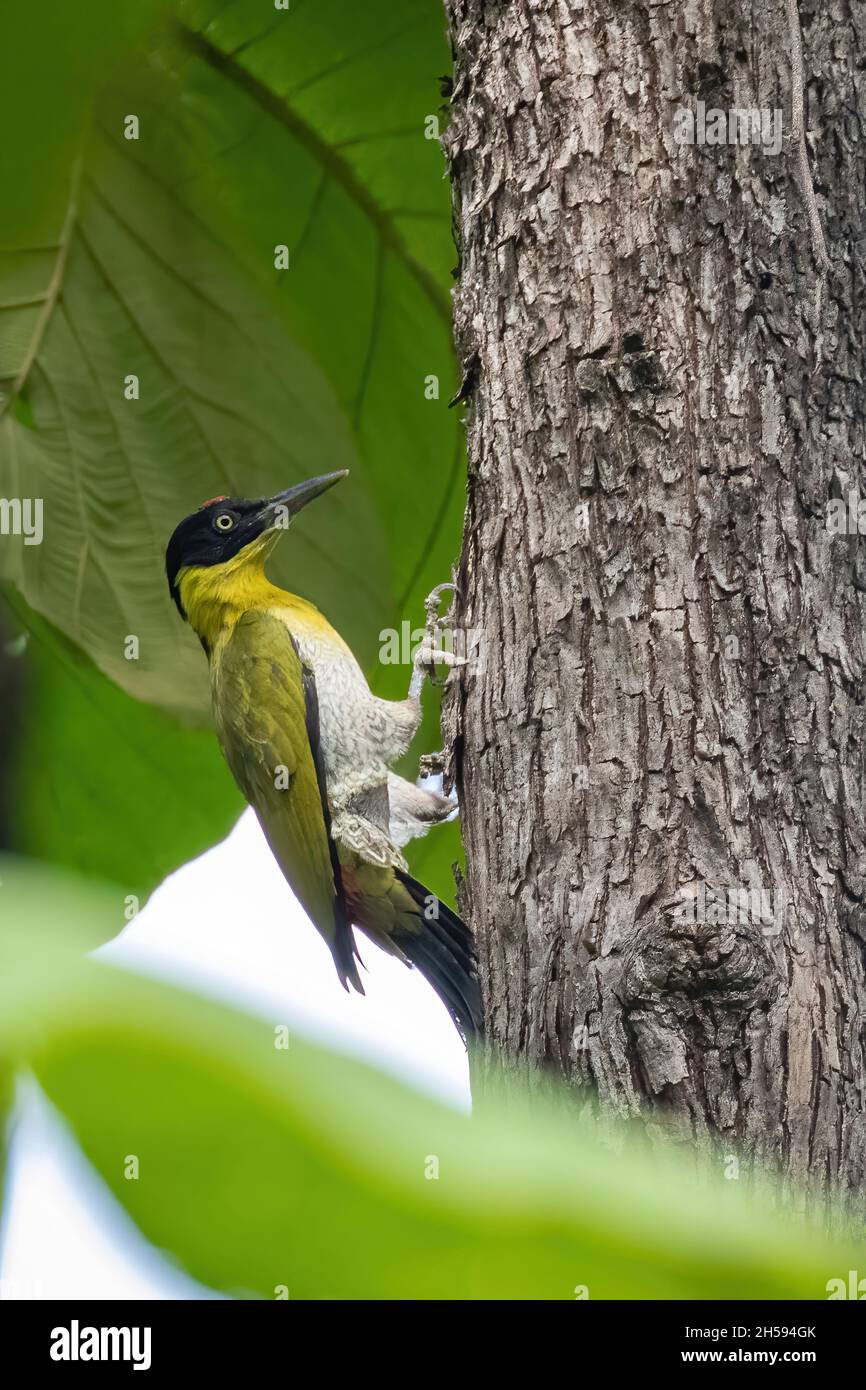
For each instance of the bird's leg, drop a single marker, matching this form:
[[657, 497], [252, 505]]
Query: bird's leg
[[429, 651]]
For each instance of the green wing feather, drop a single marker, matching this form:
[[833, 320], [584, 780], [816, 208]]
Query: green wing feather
[[268, 726]]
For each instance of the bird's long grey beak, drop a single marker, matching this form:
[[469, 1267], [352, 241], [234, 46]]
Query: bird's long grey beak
[[284, 505]]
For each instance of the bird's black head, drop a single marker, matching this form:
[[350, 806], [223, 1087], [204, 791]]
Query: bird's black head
[[225, 526]]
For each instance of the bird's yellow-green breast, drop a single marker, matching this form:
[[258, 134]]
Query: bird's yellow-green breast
[[215, 596]]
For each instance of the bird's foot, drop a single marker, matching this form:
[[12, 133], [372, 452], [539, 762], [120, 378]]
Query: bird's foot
[[431, 764], [431, 650], [427, 656], [435, 623]]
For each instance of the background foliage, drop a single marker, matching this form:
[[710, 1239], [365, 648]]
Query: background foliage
[[154, 257]]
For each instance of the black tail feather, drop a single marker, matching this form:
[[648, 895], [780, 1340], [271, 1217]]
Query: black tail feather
[[444, 951]]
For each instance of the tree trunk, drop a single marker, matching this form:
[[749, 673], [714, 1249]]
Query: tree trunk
[[660, 759]]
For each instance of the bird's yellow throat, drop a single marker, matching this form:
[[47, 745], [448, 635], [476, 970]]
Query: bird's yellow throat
[[215, 596]]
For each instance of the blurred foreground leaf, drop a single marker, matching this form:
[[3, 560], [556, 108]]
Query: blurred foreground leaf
[[263, 1168]]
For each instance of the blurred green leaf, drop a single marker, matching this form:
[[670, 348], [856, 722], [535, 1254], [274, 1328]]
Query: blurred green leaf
[[52, 58], [7, 1095], [261, 1167], [99, 781]]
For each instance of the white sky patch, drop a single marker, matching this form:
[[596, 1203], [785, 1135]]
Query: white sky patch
[[228, 925], [64, 1234]]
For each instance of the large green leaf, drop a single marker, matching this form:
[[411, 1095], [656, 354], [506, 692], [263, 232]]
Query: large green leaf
[[310, 135], [52, 57], [264, 1168], [154, 258], [100, 782]]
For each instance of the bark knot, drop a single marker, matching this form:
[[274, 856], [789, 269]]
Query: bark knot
[[726, 963]]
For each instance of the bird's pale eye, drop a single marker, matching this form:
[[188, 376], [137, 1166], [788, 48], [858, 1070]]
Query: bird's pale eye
[[224, 522]]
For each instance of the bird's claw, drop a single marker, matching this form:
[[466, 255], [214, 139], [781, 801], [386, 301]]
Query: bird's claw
[[431, 605], [431, 650], [431, 764], [428, 655]]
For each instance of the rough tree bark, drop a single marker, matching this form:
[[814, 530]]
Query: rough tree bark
[[664, 388]]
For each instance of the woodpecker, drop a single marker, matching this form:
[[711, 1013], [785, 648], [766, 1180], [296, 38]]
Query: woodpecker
[[311, 747]]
